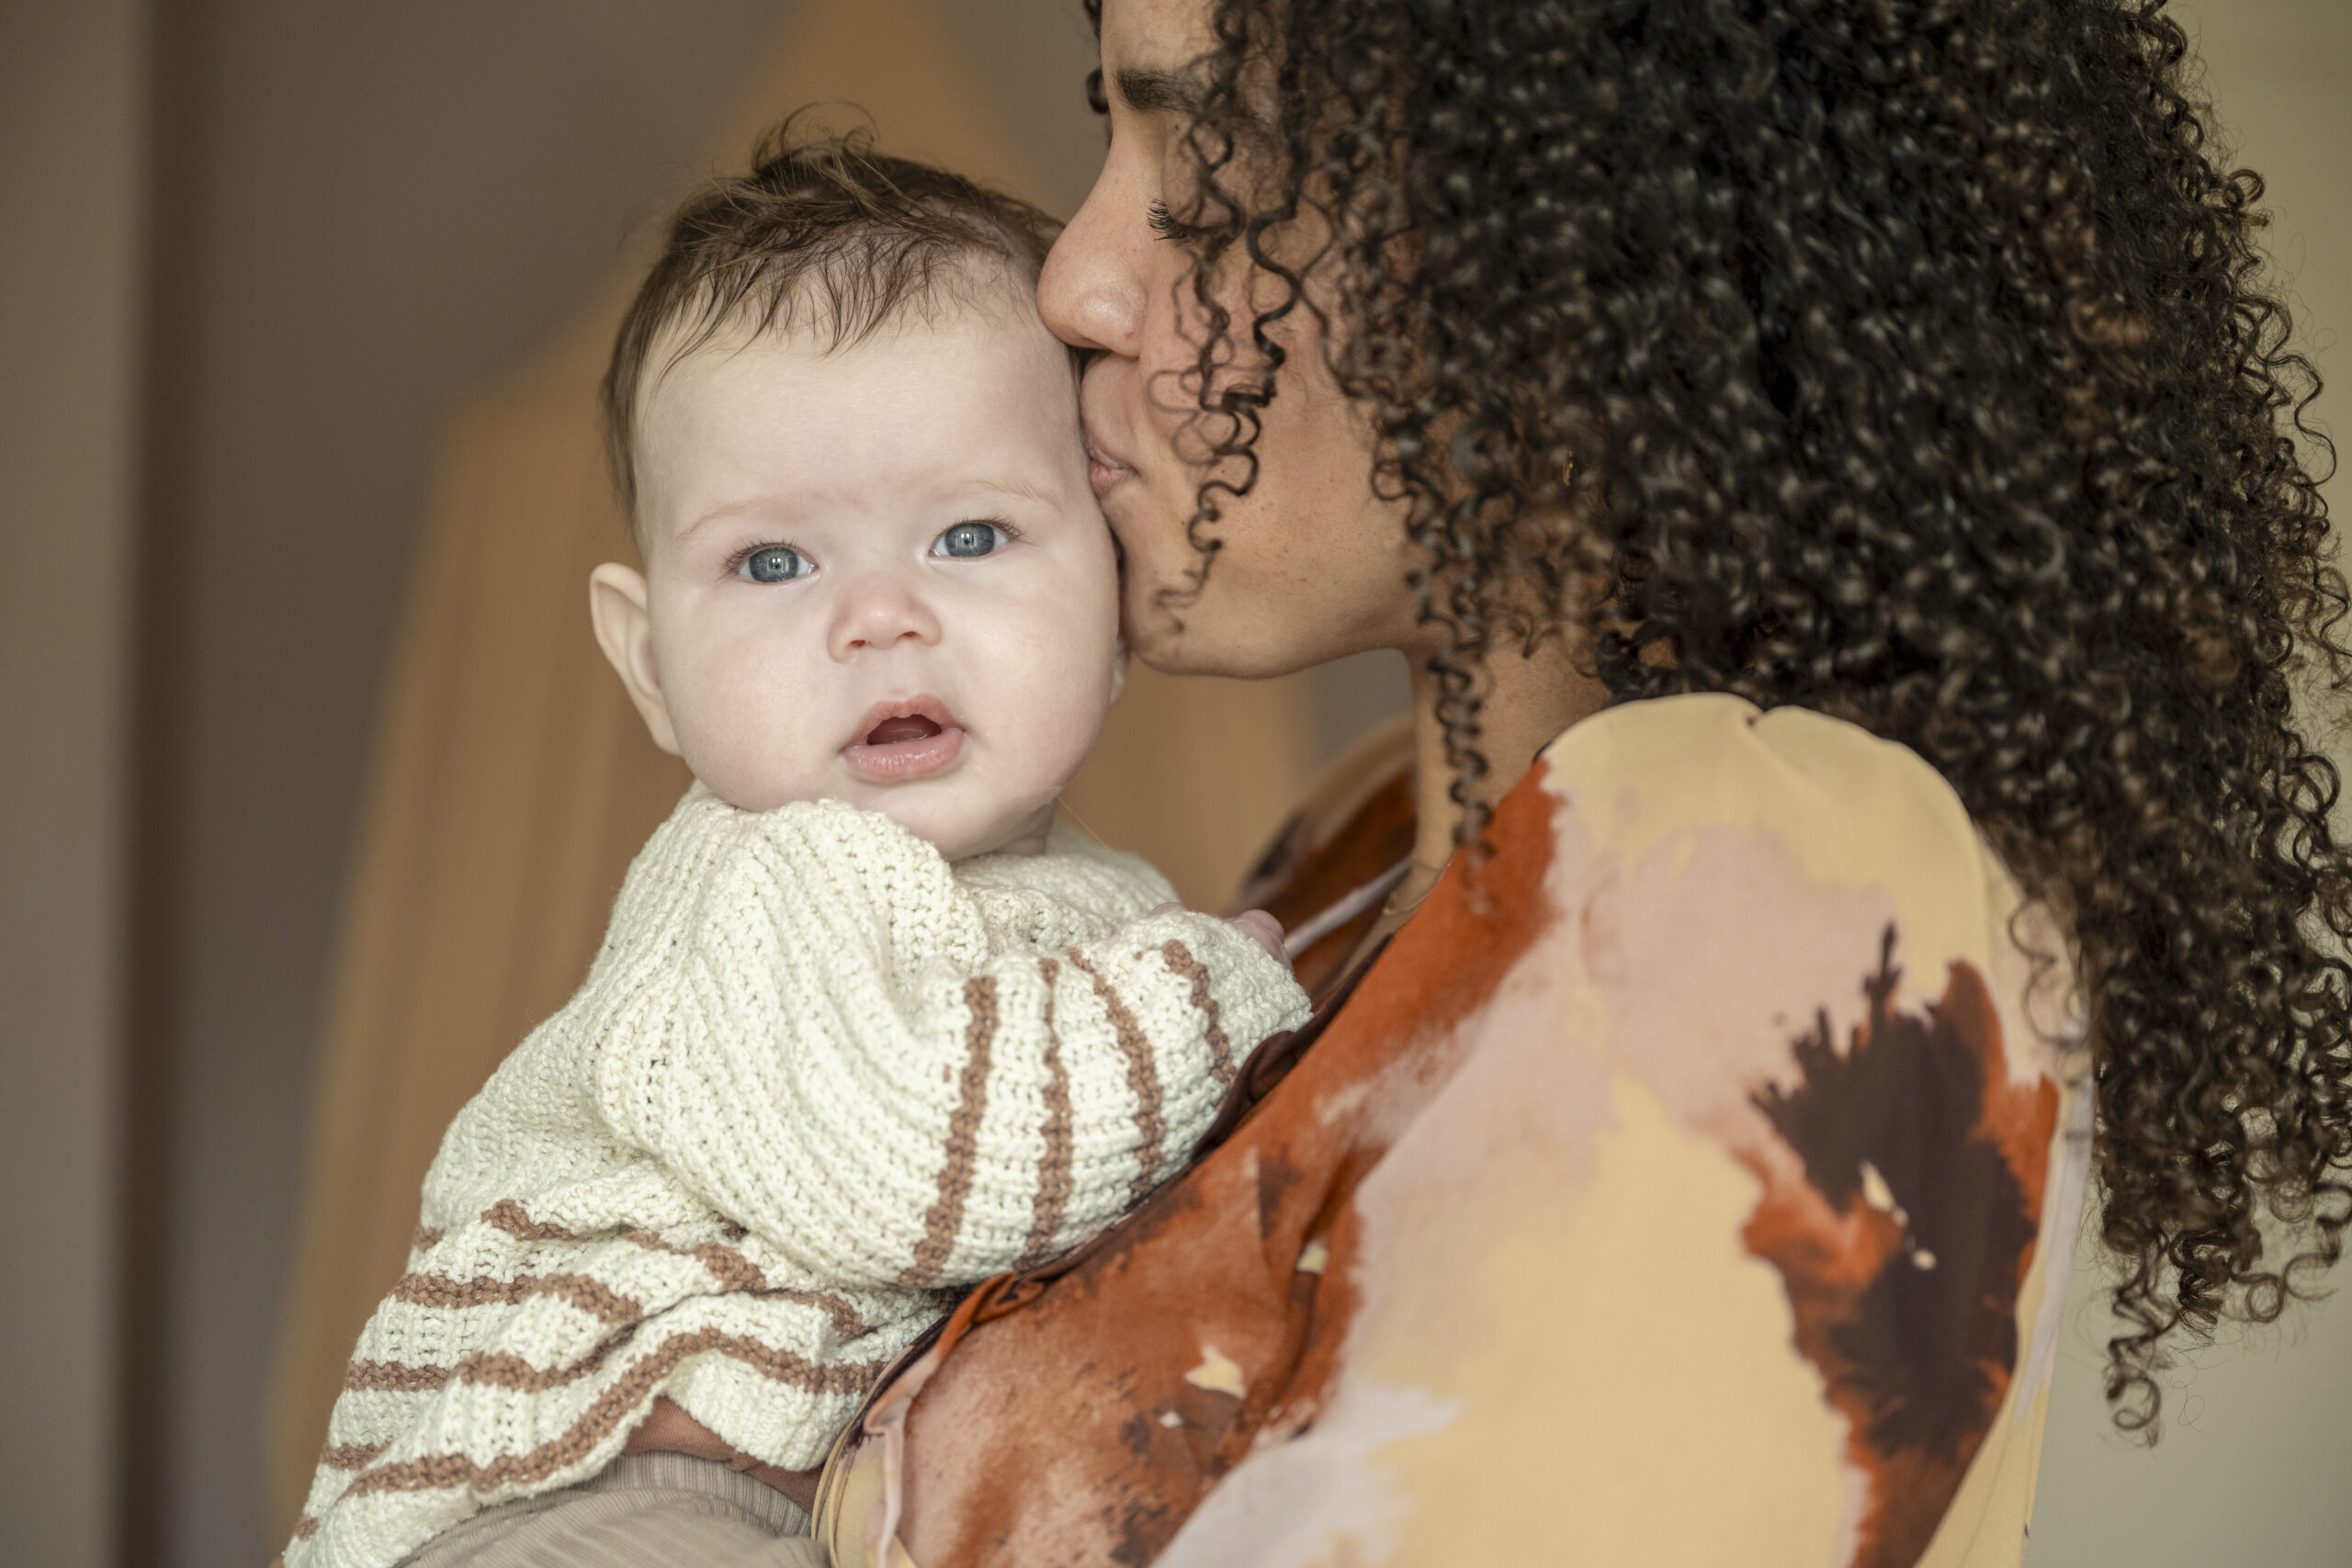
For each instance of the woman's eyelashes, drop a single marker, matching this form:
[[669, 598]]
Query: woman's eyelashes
[[1165, 224]]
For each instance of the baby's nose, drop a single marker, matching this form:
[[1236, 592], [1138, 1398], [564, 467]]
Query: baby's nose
[[881, 612]]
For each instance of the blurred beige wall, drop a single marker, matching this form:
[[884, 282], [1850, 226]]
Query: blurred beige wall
[[73, 144], [365, 214], [2252, 1468]]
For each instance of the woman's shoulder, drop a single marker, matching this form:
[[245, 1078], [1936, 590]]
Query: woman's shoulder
[[1709, 755], [1644, 774]]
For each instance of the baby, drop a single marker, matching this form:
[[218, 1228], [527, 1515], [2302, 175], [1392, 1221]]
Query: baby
[[869, 1022]]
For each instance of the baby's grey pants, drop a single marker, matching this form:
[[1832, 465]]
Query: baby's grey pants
[[657, 1510]]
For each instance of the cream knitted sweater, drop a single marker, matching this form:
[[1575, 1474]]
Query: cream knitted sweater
[[815, 1077]]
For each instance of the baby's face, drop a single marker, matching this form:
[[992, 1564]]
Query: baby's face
[[877, 575]]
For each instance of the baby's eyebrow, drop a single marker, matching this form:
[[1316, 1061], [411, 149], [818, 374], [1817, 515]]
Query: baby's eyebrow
[[1020, 490], [726, 511]]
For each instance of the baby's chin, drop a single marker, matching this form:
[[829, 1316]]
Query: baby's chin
[[950, 822], [961, 834]]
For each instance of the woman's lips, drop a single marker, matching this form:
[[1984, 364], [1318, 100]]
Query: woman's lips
[[896, 741], [1101, 425], [1105, 473]]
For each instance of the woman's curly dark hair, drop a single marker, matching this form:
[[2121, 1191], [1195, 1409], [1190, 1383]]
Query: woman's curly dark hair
[[1910, 360]]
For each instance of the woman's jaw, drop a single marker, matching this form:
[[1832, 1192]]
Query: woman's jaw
[[1302, 567]]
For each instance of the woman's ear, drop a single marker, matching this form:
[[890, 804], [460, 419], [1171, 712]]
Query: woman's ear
[[621, 610], [1118, 668]]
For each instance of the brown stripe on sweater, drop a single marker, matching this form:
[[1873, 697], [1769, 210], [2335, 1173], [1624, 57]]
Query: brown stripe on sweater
[[1054, 1174], [502, 1369], [847, 1321], [947, 1214], [630, 1391], [1143, 1077], [489, 1368], [510, 1216], [589, 1295], [425, 1239], [350, 1456], [1184, 966], [730, 1268], [304, 1528], [483, 1369], [392, 1377]]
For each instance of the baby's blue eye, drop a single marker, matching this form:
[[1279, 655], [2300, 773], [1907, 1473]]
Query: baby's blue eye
[[774, 563], [968, 539]]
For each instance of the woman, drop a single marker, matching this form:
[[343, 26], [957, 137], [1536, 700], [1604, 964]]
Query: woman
[[1846, 440]]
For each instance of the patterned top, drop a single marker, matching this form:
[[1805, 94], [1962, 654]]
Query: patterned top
[[1696, 1185], [815, 1075]]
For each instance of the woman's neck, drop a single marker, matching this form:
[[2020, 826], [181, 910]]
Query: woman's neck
[[1528, 701]]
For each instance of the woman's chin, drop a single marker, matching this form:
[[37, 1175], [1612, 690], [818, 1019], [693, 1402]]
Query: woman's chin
[[1193, 644]]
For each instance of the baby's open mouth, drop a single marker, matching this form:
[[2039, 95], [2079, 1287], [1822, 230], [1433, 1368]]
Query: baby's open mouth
[[910, 727], [897, 742]]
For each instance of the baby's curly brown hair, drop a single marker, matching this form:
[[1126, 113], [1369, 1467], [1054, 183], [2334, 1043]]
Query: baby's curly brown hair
[[1911, 361]]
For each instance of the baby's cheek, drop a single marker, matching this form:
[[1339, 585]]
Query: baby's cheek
[[1068, 735], [740, 735], [1057, 663]]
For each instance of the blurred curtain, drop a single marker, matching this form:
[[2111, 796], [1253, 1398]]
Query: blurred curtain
[[511, 781]]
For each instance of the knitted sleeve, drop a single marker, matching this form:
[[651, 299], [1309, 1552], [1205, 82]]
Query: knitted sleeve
[[798, 1014]]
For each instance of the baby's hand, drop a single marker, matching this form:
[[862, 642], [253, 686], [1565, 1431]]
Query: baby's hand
[[1257, 925], [1267, 929]]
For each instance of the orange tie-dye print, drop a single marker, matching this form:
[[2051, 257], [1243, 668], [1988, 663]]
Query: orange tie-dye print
[[1630, 1206]]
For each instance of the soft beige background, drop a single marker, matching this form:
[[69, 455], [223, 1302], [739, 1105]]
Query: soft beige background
[[2255, 1465], [71, 150], [271, 273]]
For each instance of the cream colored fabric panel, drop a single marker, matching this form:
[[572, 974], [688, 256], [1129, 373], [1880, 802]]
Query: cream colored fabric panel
[[512, 782]]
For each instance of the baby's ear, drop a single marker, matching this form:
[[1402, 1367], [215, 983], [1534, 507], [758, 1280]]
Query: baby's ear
[[621, 610]]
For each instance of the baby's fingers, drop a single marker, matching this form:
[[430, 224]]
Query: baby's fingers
[[1263, 929]]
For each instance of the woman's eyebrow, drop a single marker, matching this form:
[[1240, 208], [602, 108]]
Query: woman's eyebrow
[[1149, 90], [1154, 90]]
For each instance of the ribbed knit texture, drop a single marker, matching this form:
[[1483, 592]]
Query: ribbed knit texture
[[815, 1077]]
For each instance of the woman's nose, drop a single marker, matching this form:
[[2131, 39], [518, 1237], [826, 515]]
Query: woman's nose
[[1090, 293], [881, 610]]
